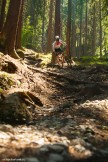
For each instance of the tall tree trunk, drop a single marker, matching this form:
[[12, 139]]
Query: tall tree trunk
[[49, 37], [62, 23], [10, 28], [43, 26], [68, 35], [2, 14], [19, 30], [94, 29], [57, 18], [80, 42], [86, 25], [100, 19], [0, 4], [73, 39]]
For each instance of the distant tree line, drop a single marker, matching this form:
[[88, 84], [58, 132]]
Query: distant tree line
[[34, 24]]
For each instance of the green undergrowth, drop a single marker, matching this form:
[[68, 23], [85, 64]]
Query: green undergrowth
[[5, 82], [87, 61], [84, 61], [46, 58]]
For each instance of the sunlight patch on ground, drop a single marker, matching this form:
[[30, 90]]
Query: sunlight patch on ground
[[46, 58], [21, 136]]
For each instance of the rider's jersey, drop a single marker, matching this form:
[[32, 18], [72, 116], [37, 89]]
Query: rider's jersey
[[57, 44]]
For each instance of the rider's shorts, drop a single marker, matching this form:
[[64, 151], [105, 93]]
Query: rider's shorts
[[58, 50]]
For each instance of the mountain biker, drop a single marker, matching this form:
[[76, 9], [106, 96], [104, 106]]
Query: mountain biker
[[57, 48], [57, 45]]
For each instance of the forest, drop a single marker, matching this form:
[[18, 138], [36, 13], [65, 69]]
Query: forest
[[54, 80]]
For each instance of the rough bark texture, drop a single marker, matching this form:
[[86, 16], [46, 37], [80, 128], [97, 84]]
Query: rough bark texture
[[100, 17], [43, 26], [2, 15], [86, 24], [20, 23], [9, 32], [68, 28], [57, 18], [73, 39], [80, 39], [49, 39], [94, 30]]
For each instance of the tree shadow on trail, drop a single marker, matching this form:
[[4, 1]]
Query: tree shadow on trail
[[49, 153], [73, 121]]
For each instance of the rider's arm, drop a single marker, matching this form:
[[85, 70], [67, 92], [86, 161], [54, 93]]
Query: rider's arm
[[63, 43]]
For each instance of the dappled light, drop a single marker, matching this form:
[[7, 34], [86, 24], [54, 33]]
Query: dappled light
[[53, 81], [63, 112]]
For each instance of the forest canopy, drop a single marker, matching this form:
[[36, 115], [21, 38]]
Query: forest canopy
[[34, 24]]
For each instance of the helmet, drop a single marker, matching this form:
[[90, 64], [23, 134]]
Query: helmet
[[57, 37]]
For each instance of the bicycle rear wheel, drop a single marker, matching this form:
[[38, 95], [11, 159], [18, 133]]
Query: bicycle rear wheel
[[60, 60]]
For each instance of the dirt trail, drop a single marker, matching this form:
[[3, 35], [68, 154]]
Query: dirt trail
[[70, 125]]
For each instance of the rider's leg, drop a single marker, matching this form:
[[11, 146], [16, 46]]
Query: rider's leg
[[60, 59]]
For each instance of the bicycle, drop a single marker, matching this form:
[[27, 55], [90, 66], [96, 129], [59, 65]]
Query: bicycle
[[60, 58]]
